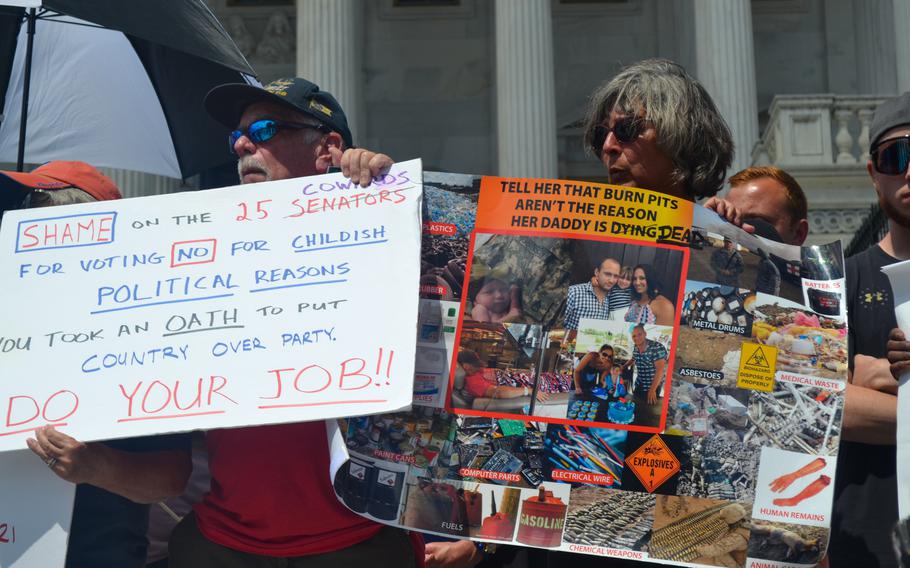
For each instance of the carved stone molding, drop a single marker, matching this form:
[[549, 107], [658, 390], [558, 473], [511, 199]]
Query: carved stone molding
[[266, 36], [279, 41], [390, 10], [776, 7], [602, 8], [836, 221]]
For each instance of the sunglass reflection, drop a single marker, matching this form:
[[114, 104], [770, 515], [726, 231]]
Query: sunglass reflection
[[891, 157], [264, 130]]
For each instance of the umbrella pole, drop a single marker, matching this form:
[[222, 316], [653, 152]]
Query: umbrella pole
[[30, 40]]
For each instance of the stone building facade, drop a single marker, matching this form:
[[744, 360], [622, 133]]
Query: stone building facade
[[500, 86]]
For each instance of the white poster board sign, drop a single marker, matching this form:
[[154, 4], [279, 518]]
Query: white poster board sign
[[899, 275], [280, 302], [35, 509]]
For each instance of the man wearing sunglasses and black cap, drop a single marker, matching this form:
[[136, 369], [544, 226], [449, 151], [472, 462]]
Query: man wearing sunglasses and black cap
[[271, 501], [865, 508], [309, 128]]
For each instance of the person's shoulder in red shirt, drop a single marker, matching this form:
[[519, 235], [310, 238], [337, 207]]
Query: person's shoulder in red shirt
[[478, 382]]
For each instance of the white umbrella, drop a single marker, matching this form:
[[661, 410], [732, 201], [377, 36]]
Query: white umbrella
[[115, 84]]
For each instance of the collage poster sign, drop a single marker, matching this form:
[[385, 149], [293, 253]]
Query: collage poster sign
[[611, 371]]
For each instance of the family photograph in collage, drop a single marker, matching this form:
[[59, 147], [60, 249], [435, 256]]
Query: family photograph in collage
[[569, 330]]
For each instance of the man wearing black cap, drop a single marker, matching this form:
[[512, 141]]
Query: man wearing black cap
[[309, 128], [271, 501], [865, 508]]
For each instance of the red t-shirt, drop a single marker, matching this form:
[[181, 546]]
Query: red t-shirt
[[271, 493], [477, 383]]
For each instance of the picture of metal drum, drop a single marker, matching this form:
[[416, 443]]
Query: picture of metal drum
[[542, 520], [353, 484], [386, 494]]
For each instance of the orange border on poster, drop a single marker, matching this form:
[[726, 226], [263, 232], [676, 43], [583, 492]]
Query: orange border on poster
[[666, 216], [549, 420], [494, 213]]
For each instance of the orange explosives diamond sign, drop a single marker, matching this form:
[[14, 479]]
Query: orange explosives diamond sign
[[653, 463]]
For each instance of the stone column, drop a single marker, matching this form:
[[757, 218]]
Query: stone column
[[525, 89], [902, 44], [329, 47], [876, 66], [725, 65]]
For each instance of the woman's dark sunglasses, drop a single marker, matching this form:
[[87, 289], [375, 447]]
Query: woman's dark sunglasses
[[626, 130], [891, 157], [266, 129], [606, 354]]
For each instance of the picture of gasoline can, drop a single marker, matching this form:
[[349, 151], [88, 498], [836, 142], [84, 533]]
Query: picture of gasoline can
[[500, 525], [473, 503], [542, 520]]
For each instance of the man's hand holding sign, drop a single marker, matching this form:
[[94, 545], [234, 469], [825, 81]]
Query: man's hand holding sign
[[159, 291]]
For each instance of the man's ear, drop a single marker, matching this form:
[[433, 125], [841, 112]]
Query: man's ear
[[324, 158], [874, 175], [801, 232]]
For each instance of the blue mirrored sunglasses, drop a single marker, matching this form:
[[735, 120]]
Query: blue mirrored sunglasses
[[266, 129]]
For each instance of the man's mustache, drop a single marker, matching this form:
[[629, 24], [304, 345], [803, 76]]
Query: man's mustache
[[251, 163]]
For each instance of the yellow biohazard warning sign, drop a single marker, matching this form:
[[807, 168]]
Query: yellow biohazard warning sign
[[756, 367], [653, 463]]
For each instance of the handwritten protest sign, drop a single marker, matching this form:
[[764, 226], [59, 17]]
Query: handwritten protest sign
[[35, 508], [629, 376], [288, 301]]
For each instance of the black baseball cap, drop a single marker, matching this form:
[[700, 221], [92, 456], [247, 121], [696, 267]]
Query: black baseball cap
[[226, 103], [890, 114]]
